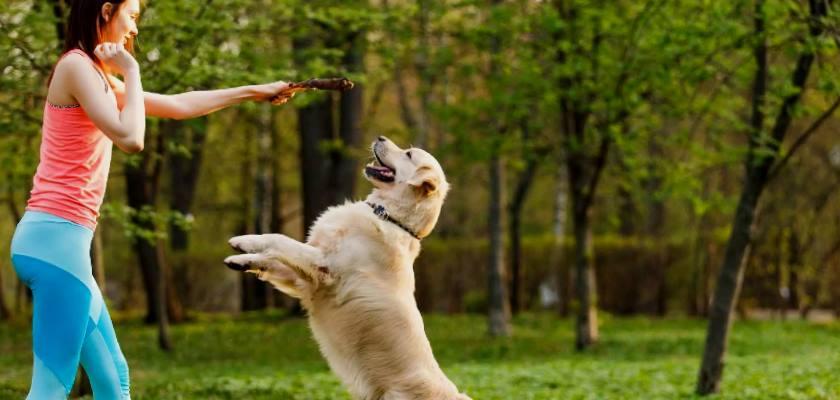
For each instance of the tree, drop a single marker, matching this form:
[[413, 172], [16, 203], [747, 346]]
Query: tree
[[762, 158], [606, 72]]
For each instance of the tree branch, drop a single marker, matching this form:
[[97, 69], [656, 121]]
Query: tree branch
[[803, 138]]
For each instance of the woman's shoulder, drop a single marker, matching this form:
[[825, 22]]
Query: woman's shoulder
[[73, 69], [78, 67], [74, 61]]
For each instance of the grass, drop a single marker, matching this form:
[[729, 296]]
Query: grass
[[263, 356]]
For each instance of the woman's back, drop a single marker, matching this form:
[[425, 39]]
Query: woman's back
[[75, 157]]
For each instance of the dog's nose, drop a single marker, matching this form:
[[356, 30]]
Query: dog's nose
[[382, 138]]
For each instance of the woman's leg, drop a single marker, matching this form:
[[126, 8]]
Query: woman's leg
[[59, 325], [70, 322], [104, 362]]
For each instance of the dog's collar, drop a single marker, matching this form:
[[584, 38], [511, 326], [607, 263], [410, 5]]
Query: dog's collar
[[383, 214]]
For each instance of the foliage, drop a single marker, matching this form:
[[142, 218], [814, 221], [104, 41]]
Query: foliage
[[266, 356]]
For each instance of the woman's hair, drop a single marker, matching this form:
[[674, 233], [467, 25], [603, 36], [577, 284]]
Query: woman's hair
[[84, 29], [85, 26]]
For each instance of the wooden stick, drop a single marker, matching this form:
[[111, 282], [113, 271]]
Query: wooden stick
[[338, 84]]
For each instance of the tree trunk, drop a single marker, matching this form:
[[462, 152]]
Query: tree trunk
[[585, 285], [760, 159], [264, 189], [98, 260], [498, 305], [628, 212], [135, 178], [252, 294], [727, 289], [523, 186], [153, 269], [497, 296], [559, 230], [164, 340], [315, 127], [184, 169], [184, 172], [350, 121], [5, 312], [794, 264], [277, 217], [142, 190]]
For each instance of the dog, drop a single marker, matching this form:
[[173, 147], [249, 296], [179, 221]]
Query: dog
[[354, 276]]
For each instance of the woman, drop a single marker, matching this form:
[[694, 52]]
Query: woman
[[88, 111]]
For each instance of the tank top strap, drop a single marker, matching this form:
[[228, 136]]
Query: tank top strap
[[93, 63]]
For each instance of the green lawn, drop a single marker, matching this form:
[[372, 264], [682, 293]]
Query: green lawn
[[264, 356]]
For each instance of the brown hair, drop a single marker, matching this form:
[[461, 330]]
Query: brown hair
[[84, 30], [85, 25]]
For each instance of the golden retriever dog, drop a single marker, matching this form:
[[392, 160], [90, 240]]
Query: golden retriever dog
[[355, 278]]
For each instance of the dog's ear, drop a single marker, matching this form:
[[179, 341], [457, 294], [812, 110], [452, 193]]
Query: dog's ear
[[425, 181]]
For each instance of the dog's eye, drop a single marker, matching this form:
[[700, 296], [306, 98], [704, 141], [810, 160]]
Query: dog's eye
[[408, 153]]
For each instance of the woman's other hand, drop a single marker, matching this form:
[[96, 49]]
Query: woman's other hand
[[116, 57]]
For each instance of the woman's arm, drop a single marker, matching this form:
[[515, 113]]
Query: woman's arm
[[201, 102], [126, 127]]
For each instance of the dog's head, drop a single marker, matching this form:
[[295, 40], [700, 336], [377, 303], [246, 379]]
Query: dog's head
[[409, 183]]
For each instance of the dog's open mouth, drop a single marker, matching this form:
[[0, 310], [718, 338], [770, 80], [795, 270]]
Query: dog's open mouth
[[379, 170]]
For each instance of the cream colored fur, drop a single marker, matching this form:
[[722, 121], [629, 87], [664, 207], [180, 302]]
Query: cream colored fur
[[355, 278]]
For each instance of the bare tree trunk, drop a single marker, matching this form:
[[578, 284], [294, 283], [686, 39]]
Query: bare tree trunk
[[142, 190], [699, 276], [5, 312], [264, 187], [560, 202], [417, 121], [587, 314], [497, 297], [252, 295], [184, 171], [523, 186], [315, 126], [760, 159], [350, 120], [498, 305], [427, 78], [154, 273], [164, 340], [559, 230], [726, 291], [794, 264], [98, 261]]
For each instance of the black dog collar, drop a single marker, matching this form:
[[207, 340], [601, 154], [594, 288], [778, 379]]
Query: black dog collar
[[382, 213]]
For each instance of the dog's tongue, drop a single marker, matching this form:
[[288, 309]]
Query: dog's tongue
[[381, 169]]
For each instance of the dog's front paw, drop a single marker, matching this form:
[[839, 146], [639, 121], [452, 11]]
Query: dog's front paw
[[254, 243], [246, 243], [237, 263]]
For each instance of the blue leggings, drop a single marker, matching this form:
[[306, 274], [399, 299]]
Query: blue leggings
[[70, 323]]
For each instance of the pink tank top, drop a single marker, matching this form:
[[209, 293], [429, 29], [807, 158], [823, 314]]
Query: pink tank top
[[73, 170]]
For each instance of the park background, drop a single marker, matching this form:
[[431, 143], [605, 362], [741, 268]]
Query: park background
[[628, 179]]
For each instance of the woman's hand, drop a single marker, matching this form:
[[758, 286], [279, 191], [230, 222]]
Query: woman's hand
[[116, 57], [277, 92]]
